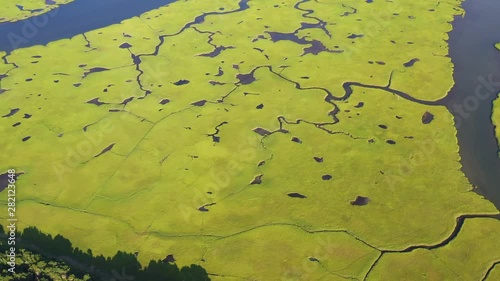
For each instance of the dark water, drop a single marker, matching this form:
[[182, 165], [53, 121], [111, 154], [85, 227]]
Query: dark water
[[477, 61], [69, 20], [471, 48]]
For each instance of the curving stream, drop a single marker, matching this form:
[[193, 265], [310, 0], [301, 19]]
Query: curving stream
[[476, 72]]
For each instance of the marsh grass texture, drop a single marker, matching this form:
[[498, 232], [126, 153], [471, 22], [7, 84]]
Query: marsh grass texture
[[496, 113], [496, 119], [15, 10], [151, 147]]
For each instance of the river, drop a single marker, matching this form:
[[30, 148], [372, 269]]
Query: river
[[71, 19], [477, 76]]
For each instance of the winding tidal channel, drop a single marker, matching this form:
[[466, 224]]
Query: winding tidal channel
[[476, 68]]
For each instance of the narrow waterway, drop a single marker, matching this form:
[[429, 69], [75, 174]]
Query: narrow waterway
[[477, 84], [476, 68]]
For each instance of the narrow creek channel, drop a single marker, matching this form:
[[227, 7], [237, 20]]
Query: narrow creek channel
[[476, 68]]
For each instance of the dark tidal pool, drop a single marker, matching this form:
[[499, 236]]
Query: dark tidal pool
[[476, 68]]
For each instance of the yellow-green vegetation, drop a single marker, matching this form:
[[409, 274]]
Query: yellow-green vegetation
[[312, 256], [496, 112], [225, 146], [36, 267], [468, 257], [14, 10], [496, 118], [495, 273], [59, 260]]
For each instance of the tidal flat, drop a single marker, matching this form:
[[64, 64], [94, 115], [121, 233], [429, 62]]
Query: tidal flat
[[259, 148]]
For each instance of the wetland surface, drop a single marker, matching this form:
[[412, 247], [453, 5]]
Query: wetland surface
[[347, 139]]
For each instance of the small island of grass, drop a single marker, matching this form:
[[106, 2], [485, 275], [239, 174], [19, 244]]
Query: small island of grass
[[496, 119], [13, 10]]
